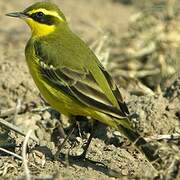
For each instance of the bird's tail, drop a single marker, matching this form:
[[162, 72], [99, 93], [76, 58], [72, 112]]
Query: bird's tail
[[142, 145]]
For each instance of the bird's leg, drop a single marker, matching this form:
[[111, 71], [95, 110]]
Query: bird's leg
[[92, 133], [56, 156], [83, 155], [60, 146]]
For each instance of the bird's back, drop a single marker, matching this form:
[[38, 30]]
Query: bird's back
[[63, 48]]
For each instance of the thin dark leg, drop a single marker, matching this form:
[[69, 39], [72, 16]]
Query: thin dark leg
[[83, 155], [93, 130], [56, 156]]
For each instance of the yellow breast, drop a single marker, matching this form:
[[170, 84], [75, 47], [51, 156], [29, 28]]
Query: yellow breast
[[39, 29], [57, 99]]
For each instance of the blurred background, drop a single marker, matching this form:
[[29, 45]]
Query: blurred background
[[138, 41]]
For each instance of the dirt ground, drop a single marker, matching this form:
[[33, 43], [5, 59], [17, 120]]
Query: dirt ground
[[158, 115]]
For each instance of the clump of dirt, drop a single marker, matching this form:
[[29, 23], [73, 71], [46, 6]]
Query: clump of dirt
[[157, 115], [148, 53]]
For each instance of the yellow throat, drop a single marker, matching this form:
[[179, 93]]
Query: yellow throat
[[39, 29]]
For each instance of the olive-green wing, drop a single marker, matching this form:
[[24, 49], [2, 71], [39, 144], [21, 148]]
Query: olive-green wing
[[82, 87], [85, 85], [111, 86]]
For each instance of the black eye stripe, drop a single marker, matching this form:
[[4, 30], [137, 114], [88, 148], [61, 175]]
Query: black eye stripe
[[43, 19], [39, 14]]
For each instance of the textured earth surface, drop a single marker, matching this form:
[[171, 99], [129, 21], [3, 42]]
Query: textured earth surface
[[158, 116]]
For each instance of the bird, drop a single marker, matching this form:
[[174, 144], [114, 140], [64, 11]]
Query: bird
[[71, 78]]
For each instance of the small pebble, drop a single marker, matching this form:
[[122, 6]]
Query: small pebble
[[117, 133], [36, 117], [124, 172], [46, 115], [78, 139]]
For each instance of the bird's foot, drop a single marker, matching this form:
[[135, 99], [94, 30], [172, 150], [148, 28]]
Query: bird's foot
[[82, 158], [79, 158]]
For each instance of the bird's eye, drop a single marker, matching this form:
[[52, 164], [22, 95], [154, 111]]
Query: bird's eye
[[39, 14]]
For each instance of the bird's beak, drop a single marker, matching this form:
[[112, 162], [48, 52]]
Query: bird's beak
[[17, 14]]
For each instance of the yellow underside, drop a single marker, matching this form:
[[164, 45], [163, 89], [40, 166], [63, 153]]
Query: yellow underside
[[57, 99], [39, 29], [62, 102]]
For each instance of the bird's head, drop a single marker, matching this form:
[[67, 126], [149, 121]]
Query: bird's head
[[42, 17]]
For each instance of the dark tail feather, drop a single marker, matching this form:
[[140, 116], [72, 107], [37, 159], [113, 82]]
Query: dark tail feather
[[146, 148]]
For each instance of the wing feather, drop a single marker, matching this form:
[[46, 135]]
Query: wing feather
[[82, 85], [80, 89]]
